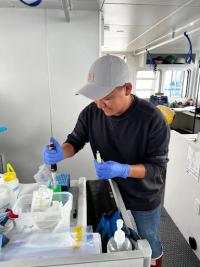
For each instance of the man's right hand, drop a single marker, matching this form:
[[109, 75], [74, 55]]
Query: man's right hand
[[55, 155]]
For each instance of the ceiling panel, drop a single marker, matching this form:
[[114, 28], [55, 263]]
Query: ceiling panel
[[121, 30], [115, 33], [134, 15], [170, 25], [119, 44], [152, 2], [85, 4], [143, 21]]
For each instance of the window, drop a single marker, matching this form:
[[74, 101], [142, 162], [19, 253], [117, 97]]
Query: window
[[175, 83], [198, 93], [147, 83]]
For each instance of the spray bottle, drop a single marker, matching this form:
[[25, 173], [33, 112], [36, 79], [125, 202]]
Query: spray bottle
[[119, 242]]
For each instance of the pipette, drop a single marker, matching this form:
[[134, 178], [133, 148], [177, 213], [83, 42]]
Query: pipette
[[51, 146], [53, 169]]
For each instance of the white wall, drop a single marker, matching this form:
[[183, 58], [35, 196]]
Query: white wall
[[25, 37], [133, 64]]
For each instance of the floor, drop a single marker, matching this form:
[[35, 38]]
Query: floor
[[177, 252]]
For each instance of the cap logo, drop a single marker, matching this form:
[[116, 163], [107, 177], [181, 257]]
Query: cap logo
[[90, 76]]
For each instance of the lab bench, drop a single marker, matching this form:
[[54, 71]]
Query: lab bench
[[140, 257], [187, 121]]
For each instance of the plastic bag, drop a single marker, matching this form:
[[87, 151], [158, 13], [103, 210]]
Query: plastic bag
[[37, 245]]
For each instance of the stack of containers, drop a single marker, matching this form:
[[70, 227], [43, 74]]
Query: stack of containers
[[47, 219]]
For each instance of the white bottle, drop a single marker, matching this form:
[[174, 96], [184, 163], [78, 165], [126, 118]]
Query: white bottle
[[4, 197], [11, 181], [120, 242]]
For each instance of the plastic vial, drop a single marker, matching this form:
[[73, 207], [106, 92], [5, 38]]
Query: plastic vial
[[98, 156], [119, 242]]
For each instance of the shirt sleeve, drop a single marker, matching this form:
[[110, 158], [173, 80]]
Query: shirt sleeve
[[80, 135], [157, 145]]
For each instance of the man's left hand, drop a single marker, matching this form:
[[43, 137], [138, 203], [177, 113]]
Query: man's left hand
[[110, 169]]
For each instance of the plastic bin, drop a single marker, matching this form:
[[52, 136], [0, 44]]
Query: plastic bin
[[43, 220], [140, 257], [167, 113]]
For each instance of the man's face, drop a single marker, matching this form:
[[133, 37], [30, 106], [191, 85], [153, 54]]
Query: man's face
[[116, 102]]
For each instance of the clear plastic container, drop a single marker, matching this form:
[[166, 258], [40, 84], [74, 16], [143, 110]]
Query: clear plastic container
[[51, 245], [43, 176], [45, 220]]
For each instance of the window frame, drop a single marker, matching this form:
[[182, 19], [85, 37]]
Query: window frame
[[180, 67], [155, 79]]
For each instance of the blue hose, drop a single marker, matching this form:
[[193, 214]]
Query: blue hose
[[33, 4], [188, 57], [151, 61], [149, 58]]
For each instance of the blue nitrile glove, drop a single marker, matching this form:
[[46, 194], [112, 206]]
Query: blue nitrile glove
[[53, 156], [110, 169], [107, 225]]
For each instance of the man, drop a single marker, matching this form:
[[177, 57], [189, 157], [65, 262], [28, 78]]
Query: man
[[132, 137]]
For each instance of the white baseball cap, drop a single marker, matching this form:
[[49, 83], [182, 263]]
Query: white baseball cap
[[106, 73]]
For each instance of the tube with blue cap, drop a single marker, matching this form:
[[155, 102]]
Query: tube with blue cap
[[3, 129]]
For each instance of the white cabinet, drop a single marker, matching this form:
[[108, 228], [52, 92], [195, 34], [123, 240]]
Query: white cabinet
[[182, 191]]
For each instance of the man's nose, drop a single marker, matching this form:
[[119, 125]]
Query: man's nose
[[100, 103]]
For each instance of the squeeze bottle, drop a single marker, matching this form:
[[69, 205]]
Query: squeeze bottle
[[11, 181], [119, 242]]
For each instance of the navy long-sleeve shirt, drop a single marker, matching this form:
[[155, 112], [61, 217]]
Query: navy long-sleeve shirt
[[138, 136]]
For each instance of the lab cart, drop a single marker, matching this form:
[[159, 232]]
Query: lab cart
[[140, 257]]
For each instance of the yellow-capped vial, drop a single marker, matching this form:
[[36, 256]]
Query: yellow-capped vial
[[98, 157]]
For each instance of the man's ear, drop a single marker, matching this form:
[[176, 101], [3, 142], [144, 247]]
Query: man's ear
[[128, 88]]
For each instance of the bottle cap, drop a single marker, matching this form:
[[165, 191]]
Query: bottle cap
[[10, 175]]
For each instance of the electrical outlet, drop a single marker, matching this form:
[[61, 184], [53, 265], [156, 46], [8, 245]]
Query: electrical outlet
[[197, 206]]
